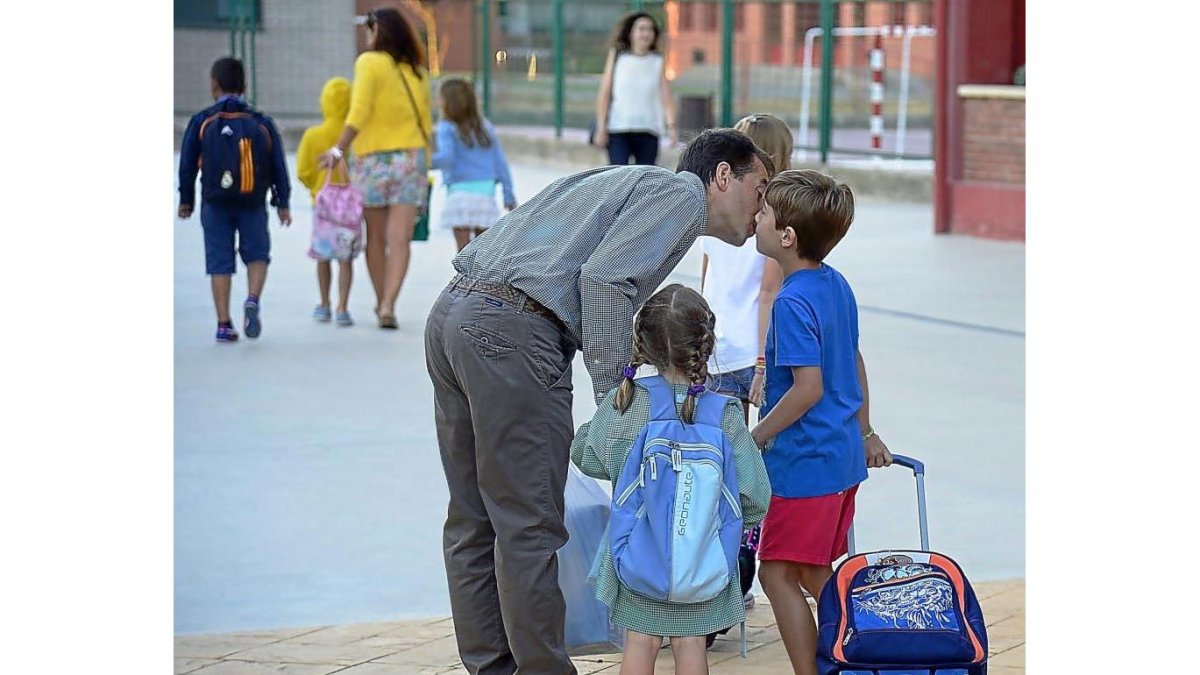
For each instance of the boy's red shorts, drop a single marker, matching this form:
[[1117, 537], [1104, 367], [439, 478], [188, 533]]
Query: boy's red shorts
[[809, 530]]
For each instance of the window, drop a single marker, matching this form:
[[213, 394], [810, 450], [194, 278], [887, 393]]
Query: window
[[898, 11], [687, 16], [697, 56], [925, 13], [773, 23], [739, 17], [808, 15], [710, 15], [216, 13]]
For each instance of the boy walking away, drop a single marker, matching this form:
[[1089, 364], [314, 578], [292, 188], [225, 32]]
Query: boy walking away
[[816, 430], [239, 154]]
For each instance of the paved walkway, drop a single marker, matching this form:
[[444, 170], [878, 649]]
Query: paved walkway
[[427, 647], [308, 490]]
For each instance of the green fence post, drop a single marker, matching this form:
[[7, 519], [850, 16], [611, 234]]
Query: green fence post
[[486, 19], [559, 75], [242, 29], [826, 78], [233, 29], [253, 63], [727, 63]]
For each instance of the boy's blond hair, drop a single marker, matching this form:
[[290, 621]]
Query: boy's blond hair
[[772, 135], [819, 209]]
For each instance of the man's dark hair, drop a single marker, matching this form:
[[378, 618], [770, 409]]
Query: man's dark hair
[[230, 75], [714, 146]]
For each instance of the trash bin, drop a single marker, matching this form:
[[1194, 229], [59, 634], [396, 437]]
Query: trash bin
[[695, 115]]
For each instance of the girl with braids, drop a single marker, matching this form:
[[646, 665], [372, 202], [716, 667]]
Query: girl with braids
[[674, 333]]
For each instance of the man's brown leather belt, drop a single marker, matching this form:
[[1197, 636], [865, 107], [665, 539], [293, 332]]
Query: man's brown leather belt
[[505, 292]]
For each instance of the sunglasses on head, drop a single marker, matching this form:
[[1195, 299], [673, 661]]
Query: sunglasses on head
[[368, 20]]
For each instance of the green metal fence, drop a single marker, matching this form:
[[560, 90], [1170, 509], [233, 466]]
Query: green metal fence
[[537, 63], [541, 61]]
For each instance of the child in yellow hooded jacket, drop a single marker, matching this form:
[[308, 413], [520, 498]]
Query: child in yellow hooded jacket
[[335, 106]]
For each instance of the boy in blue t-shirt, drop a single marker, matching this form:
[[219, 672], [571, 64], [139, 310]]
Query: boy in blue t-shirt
[[816, 427], [234, 208]]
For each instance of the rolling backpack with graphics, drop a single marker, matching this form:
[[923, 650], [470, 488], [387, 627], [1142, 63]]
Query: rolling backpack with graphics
[[900, 612], [676, 521], [235, 154]]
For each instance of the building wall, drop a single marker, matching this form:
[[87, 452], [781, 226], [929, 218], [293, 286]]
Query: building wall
[[994, 140], [979, 138], [758, 40], [301, 44]]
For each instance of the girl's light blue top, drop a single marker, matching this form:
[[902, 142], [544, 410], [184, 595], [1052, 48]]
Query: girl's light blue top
[[460, 162]]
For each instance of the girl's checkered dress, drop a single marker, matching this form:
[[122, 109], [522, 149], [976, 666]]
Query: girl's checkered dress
[[600, 449]]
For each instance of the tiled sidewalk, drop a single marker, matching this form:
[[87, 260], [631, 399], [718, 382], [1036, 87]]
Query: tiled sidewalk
[[427, 647]]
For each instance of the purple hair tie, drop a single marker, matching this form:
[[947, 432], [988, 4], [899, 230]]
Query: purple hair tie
[[695, 390], [629, 371]]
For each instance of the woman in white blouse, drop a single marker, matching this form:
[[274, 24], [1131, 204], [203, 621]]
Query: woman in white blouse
[[635, 107]]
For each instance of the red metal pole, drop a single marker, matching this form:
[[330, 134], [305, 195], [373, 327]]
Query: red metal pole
[[877, 93], [941, 109]]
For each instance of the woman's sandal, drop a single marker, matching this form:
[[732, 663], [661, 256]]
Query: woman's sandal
[[388, 321]]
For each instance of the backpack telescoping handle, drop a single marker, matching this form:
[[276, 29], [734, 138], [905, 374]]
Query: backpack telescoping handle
[[918, 469]]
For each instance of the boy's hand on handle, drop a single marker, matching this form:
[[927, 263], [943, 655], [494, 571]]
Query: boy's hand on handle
[[185, 211], [878, 454], [285, 217]]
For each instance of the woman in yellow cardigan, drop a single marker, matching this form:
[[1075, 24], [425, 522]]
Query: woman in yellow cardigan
[[388, 131]]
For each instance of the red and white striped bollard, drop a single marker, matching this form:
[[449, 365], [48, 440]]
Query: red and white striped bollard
[[877, 93]]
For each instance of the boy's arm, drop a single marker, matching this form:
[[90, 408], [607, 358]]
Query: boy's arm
[[189, 166], [806, 390], [281, 183], [753, 482], [703, 272], [877, 452]]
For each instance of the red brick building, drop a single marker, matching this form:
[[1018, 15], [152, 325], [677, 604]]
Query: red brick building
[[979, 143], [773, 33]]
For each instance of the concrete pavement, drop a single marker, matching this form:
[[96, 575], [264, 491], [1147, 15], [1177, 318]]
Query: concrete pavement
[[308, 489]]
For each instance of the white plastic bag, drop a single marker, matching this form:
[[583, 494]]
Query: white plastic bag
[[587, 625]]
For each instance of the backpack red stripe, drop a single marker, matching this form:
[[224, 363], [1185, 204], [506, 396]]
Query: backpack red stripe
[[845, 577], [960, 586]]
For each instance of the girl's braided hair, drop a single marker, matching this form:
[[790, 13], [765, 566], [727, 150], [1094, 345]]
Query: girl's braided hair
[[673, 329]]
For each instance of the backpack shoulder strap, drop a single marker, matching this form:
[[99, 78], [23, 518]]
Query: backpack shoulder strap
[[662, 398], [710, 409]]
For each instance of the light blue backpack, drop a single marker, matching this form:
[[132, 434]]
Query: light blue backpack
[[676, 520]]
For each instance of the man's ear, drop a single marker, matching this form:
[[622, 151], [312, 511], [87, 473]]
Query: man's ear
[[723, 176]]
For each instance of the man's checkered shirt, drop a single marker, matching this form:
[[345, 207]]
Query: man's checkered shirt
[[592, 248]]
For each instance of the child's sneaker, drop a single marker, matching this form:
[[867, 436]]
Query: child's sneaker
[[321, 313], [253, 325], [343, 319], [226, 333]]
